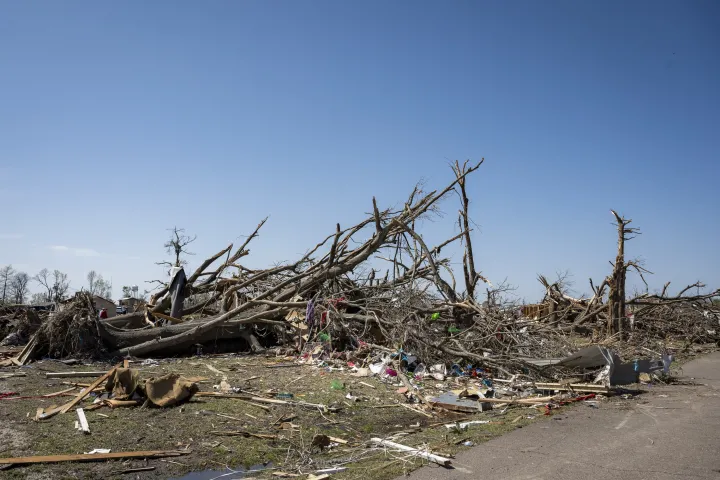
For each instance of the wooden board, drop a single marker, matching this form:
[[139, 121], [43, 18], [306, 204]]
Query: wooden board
[[72, 374], [87, 391], [95, 457], [573, 387], [83, 421]]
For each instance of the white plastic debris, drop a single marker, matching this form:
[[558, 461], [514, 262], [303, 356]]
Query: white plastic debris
[[98, 450], [464, 425]]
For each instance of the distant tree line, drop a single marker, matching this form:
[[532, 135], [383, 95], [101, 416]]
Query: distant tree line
[[54, 286], [14, 285]]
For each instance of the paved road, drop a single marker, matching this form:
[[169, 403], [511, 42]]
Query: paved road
[[671, 433]]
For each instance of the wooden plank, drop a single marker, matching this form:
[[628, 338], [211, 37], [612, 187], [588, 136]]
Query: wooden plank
[[521, 401], [72, 374], [95, 457], [573, 387], [112, 403], [416, 410], [87, 391], [83, 421], [213, 369], [242, 398], [24, 355], [62, 392], [243, 433], [27, 354], [250, 399]]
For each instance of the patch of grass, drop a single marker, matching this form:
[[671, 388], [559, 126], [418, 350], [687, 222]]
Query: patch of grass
[[192, 424]]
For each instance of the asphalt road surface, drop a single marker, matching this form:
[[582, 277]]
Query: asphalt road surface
[[670, 433]]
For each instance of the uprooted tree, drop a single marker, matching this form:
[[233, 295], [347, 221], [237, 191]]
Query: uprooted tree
[[230, 298]]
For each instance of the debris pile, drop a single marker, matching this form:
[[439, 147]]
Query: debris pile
[[71, 331], [17, 324], [336, 298]]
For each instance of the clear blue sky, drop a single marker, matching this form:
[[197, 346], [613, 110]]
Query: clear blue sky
[[121, 119]]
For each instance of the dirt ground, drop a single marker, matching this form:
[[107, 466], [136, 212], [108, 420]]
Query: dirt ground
[[193, 425]]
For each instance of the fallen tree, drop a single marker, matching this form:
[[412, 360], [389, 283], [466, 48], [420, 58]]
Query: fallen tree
[[256, 297]]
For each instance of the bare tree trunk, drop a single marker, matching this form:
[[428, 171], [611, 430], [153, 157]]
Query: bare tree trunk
[[616, 281]]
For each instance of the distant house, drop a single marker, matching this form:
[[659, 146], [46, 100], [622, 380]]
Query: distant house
[[101, 303], [43, 307], [130, 304]]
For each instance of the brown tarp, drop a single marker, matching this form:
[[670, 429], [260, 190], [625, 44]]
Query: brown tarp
[[169, 390], [124, 383]]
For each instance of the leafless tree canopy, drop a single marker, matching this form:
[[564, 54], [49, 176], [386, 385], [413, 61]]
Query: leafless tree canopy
[[97, 285], [43, 278], [60, 285], [19, 287], [6, 275], [176, 247]]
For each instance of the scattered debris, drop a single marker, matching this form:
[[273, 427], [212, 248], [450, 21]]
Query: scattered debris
[[445, 462], [465, 425]]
